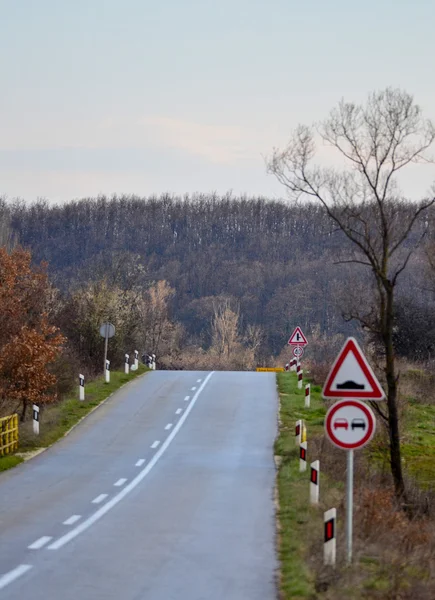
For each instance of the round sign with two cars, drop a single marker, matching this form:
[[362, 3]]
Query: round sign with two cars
[[350, 424]]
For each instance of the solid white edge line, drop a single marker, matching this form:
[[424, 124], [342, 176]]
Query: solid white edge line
[[133, 483], [140, 462], [155, 444], [8, 578], [168, 426], [40, 543], [186, 399], [178, 411], [120, 482], [99, 498], [72, 520]]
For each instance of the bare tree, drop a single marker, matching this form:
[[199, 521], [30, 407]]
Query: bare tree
[[225, 328], [374, 142], [154, 316], [7, 238]]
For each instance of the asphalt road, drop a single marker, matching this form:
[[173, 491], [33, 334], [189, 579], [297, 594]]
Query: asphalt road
[[164, 493]]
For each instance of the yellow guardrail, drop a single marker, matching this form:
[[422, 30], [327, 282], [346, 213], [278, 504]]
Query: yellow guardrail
[[274, 369], [8, 434]]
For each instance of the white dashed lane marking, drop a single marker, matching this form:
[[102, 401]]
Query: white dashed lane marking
[[40, 543], [120, 482], [186, 399], [198, 380], [87, 523], [140, 462], [8, 578], [155, 444], [178, 411], [168, 426], [99, 498], [72, 520], [193, 389]]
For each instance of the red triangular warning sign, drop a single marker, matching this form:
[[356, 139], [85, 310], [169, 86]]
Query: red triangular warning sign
[[351, 376], [297, 338]]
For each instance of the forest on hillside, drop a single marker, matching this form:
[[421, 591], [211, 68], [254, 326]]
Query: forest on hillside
[[273, 263]]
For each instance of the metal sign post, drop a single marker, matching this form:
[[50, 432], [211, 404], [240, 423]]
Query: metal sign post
[[349, 495], [107, 330]]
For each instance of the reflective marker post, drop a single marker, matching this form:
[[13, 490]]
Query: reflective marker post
[[329, 545], [36, 419]]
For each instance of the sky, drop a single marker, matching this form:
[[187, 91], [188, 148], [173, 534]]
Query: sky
[[184, 96]]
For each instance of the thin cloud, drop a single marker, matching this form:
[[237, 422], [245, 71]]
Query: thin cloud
[[223, 144]]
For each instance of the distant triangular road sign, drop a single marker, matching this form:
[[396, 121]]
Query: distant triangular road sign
[[297, 338], [351, 376]]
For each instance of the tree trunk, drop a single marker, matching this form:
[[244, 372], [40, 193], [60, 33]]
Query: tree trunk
[[393, 416], [23, 412]]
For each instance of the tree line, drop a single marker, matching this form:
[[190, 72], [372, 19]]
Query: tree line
[[274, 260]]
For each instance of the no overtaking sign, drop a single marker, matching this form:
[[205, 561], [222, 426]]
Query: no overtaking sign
[[350, 424]]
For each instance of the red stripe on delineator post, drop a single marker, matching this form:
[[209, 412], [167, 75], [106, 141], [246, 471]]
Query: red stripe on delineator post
[[329, 530]]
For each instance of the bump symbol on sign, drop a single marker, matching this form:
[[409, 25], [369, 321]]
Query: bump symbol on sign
[[351, 376]]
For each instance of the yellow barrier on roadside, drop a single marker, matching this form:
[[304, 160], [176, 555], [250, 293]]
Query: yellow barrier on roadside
[[274, 369], [8, 435]]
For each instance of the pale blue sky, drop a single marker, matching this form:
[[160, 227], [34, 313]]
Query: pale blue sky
[[104, 96]]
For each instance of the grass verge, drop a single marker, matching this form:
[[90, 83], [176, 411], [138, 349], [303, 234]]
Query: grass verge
[[57, 419], [295, 513], [10, 461]]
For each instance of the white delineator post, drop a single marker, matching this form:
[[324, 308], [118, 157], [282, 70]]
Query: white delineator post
[[81, 387], [303, 457], [107, 371], [136, 360], [300, 374], [329, 546], [293, 364], [307, 395], [36, 419], [127, 364], [314, 482], [298, 432], [154, 362]]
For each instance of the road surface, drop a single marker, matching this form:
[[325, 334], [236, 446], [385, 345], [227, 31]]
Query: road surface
[[163, 493]]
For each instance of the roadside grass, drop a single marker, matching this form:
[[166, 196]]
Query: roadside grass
[[418, 446], [56, 419], [9, 461]]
